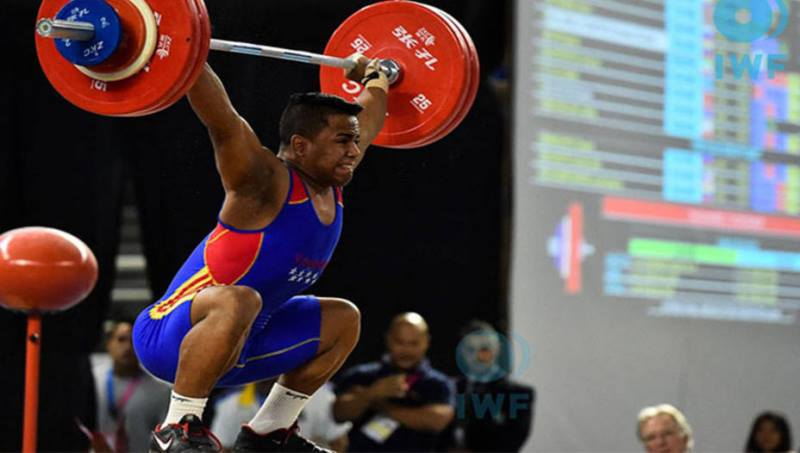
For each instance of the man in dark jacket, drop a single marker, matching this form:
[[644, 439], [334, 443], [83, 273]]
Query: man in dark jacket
[[493, 413]]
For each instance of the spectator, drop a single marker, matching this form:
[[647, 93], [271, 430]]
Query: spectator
[[493, 413], [316, 420], [130, 402], [399, 403], [770, 433], [664, 429]]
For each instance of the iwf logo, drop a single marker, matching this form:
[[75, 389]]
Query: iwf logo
[[479, 355], [747, 21]]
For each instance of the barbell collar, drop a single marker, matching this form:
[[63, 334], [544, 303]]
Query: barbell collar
[[392, 70]]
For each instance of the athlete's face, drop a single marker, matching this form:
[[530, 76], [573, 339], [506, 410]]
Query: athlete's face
[[334, 153]]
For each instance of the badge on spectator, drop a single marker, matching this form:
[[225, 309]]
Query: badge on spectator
[[380, 428]]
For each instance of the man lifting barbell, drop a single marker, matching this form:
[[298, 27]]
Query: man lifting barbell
[[230, 315]]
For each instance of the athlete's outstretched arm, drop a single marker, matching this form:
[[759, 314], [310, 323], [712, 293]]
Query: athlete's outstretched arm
[[241, 160], [372, 98]]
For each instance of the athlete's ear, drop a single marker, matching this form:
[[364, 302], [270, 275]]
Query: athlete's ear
[[300, 145]]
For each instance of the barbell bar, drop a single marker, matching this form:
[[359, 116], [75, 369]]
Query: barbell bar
[[84, 31]]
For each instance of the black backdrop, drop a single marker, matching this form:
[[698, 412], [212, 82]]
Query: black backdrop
[[423, 227]]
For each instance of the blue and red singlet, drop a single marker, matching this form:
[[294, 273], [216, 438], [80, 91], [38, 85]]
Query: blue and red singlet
[[278, 261]]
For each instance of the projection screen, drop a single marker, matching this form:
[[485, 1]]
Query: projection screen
[[656, 231]]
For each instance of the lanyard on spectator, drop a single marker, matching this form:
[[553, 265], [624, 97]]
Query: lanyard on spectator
[[412, 378], [113, 408]]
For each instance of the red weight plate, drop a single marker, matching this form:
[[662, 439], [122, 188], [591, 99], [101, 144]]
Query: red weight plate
[[202, 55], [179, 88], [205, 26], [467, 96], [180, 80], [198, 23], [474, 78], [475, 81], [447, 126], [173, 58], [431, 54], [205, 45]]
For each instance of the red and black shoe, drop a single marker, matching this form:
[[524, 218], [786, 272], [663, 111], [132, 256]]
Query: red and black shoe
[[187, 435], [279, 440]]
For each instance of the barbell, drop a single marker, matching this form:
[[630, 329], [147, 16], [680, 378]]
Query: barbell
[[137, 57]]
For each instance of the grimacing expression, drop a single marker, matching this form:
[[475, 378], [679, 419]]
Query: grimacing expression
[[334, 153], [407, 345], [661, 434]]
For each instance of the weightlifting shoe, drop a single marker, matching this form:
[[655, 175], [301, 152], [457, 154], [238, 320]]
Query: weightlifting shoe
[[286, 439], [188, 435]]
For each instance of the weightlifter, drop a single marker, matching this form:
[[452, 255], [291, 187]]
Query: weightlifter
[[232, 314]]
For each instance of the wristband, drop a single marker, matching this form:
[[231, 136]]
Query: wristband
[[376, 79]]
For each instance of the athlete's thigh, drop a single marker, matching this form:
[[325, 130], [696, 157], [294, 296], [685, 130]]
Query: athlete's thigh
[[290, 339], [157, 338]]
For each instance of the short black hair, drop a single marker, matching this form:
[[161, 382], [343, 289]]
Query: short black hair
[[307, 114]]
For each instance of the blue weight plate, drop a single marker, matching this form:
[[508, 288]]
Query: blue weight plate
[[107, 32]]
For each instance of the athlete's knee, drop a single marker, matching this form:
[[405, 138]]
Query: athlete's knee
[[342, 314], [246, 300], [237, 306]]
